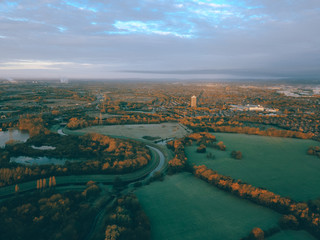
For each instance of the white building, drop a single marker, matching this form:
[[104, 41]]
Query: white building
[[193, 101], [249, 107], [255, 108]]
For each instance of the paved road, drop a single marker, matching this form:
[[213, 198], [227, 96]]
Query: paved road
[[161, 164], [98, 220], [61, 132], [158, 163]]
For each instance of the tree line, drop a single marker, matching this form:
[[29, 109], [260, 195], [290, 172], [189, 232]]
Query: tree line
[[179, 162], [206, 125], [141, 118], [297, 213], [314, 150]]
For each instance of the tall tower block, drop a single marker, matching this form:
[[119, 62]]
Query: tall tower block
[[193, 101]]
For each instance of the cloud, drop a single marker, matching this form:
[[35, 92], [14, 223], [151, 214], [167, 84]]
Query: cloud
[[8, 6], [41, 65], [62, 29], [184, 36], [32, 64], [150, 27], [212, 4], [81, 5]]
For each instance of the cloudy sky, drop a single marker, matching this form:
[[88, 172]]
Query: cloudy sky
[[183, 39]]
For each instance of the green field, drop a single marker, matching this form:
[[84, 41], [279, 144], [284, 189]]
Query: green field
[[137, 131], [184, 207], [279, 164], [291, 235]]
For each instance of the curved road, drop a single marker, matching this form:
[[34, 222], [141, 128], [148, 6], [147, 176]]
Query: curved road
[[157, 164], [161, 162], [61, 132], [99, 216]]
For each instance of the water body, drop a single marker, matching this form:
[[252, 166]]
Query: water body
[[12, 134], [38, 160], [43, 147]]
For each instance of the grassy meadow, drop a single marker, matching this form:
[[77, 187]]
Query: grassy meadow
[[279, 164], [184, 207], [163, 130], [291, 235]]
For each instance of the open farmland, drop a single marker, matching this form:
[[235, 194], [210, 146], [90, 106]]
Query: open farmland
[[163, 130], [184, 207], [279, 164]]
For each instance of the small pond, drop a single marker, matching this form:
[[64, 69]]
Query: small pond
[[43, 147], [39, 160]]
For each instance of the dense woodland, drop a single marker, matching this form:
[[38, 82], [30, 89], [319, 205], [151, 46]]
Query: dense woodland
[[97, 154], [48, 215], [203, 139], [33, 124], [127, 220]]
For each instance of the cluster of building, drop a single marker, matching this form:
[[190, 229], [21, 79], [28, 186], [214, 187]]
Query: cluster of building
[[249, 107]]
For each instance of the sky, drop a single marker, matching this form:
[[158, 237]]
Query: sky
[[159, 39]]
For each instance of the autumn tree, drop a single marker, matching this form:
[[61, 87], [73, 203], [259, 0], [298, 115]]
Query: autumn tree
[[289, 221], [113, 232], [220, 145], [201, 149], [256, 234], [16, 188], [118, 184], [236, 155], [127, 220], [314, 150], [33, 124]]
